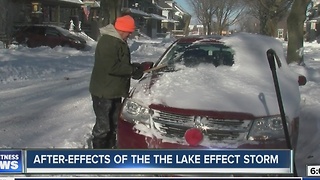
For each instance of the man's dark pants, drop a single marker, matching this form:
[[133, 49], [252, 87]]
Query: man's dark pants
[[104, 130]]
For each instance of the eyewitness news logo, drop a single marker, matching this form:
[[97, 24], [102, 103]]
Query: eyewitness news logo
[[11, 161]]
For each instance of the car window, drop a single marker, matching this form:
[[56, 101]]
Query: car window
[[63, 31], [38, 30], [173, 53], [195, 54], [52, 32], [26, 29]]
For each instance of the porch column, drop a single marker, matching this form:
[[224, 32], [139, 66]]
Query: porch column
[[58, 15]]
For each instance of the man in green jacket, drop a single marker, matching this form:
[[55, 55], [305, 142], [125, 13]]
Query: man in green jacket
[[110, 79]]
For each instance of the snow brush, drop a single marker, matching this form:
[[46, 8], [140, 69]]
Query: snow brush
[[272, 59], [155, 68]]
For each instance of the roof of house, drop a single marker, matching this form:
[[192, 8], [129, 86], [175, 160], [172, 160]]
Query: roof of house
[[162, 4], [72, 1], [158, 17], [135, 11], [180, 9], [63, 2], [92, 4]]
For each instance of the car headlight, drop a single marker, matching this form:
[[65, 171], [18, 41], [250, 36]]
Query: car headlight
[[134, 112], [267, 128], [76, 41]]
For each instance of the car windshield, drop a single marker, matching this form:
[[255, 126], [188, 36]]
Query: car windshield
[[193, 54], [63, 31]]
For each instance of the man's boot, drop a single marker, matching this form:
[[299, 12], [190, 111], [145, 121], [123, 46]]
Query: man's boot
[[111, 140], [99, 143]]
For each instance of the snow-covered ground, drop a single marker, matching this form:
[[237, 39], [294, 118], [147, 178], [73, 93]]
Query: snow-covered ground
[[45, 102]]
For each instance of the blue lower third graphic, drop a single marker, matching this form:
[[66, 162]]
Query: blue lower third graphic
[[159, 161], [11, 161]]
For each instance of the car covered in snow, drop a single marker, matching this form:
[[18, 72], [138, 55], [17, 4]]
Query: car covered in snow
[[214, 92], [48, 35]]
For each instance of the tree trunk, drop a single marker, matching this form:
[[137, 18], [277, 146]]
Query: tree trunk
[[186, 20], [208, 29], [295, 24], [272, 28], [104, 13], [263, 24], [115, 9], [109, 11], [204, 29]]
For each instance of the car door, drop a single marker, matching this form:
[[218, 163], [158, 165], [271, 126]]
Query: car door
[[35, 36], [53, 37]]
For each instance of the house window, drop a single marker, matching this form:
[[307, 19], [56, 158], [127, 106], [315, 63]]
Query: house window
[[150, 10], [35, 7]]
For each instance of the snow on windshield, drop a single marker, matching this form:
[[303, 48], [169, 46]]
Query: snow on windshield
[[247, 86]]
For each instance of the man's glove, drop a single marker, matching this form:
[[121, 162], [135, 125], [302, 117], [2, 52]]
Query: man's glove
[[137, 71]]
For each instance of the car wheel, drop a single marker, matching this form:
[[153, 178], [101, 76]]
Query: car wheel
[[28, 43], [65, 45], [23, 42]]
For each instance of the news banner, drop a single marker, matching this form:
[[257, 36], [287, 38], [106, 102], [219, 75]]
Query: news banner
[[205, 163]]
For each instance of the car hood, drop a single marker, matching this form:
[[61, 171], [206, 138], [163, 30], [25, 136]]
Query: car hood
[[238, 88], [77, 38]]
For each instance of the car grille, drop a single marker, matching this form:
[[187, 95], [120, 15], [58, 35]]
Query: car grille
[[175, 125]]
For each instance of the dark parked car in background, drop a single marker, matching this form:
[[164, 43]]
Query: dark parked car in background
[[47, 35]]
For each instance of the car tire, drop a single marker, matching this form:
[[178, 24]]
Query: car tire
[[24, 42], [65, 45], [30, 44]]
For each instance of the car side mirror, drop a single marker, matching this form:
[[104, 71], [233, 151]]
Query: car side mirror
[[146, 65], [302, 80]]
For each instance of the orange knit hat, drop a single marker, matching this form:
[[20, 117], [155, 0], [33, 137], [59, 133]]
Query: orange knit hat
[[125, 23]]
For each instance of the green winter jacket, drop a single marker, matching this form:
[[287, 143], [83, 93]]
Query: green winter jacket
[[112, 68]]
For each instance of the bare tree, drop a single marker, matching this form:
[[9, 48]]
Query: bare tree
[[186, 21], [8, 13], [204, 10], [295, 23], [248, 23], [216, 13], [227, 13], [269, 13], [4, 15]]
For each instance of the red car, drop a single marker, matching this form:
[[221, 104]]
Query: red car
[[48, 35], [213, 92]]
